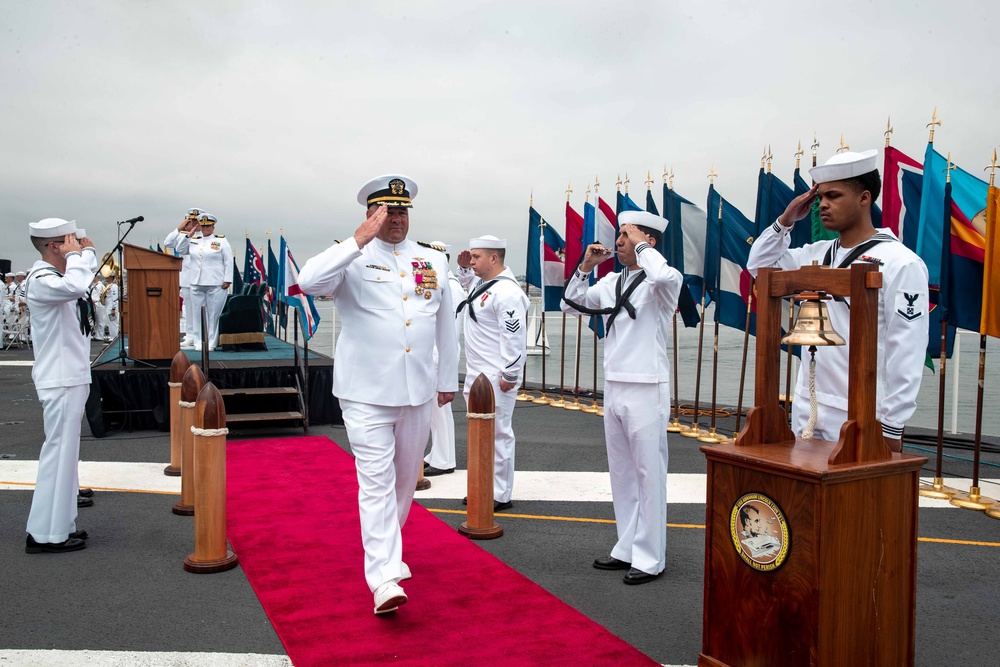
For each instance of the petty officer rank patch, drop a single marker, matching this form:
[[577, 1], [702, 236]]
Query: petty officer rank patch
[[512, 323], [424, 276], [910, 306]]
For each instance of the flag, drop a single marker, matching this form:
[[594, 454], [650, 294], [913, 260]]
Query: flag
[[670, 247], [727, 249], [237, 279], [158, 247], [605, 232], [968, 197], [962, 257], [773, 197], [574, 241], [990, 324], [817, 231], [545, 259], [273, 285], [685, 240], [902, 180], [253, 266], [293, 296], [650, 204]]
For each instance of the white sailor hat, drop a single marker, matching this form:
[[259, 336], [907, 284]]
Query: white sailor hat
[[50, 228], [643, 219], [391, 190], [845, 165], [488, 242], [20, 273], [207, 219]]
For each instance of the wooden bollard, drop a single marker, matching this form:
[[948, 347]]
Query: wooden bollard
[[193, 381], [479, 523], [210, 552], [178, 367]]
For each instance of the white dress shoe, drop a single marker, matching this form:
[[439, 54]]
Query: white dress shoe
[[388, 597], [405, 569]]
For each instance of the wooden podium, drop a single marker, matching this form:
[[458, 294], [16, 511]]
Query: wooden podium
[[154, 305], [810, 555]]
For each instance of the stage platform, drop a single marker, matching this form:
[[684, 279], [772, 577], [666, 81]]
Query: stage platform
[[131, 396]]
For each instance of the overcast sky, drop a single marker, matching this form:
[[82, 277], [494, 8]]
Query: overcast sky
[[272, 115]]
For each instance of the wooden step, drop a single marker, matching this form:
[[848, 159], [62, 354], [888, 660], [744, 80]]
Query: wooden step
[[262, 416], [259, 391]]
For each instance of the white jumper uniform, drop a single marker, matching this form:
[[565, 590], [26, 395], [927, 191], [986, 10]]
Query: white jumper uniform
[[187, 321], [902, 331], [496, 346], [62, 381], [636, 401], [394, 311], [442, 454], [100, 317], [211, 266]]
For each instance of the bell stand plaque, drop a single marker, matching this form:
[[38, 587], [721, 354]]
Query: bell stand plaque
[[828, 575]]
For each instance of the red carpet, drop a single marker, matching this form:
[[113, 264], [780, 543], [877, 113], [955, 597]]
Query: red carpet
[[293, 522]]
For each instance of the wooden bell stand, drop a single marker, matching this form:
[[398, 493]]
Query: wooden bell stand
[[844, 588]]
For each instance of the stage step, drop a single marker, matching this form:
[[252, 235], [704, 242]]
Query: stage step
[[263, 416], [259, 391]]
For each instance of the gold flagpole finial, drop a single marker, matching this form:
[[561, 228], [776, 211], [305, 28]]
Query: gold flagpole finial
[[586, 195], [888, 130], [815, 145], [247, 231], [531, 197], [626, 182], [268, 233], [712, 175], [935, 121], [281, 230], [843, 146], [618, 183], [798, 154], [947, 170], [763, 157], [665, 176], [569, 190], [649, 180], [670, 184], [992, 166], [597, 185], [770, 156]]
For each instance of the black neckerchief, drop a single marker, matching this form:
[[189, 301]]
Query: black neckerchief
[[476, 293], [82, 305], [858, 250], [621, 298]]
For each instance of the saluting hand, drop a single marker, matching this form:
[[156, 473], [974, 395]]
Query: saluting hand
[[86, 243], [465, 259], [370, 228], [70, 244], [799, 207], [595, 254]]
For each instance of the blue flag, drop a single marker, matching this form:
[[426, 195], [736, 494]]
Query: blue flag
[[545, 255], [730, 235]]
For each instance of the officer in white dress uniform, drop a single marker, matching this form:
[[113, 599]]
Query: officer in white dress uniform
[[211, 276], [189, 228], [55, 293], [495, 345], [111, 307], [394, 311], [441, 459], [638, 303], [847, 186]]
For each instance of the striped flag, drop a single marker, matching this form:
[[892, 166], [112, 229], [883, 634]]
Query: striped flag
[[293, 295]]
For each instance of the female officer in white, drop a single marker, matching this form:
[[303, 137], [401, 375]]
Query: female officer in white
[[211, 275], [394, 307], [847, 185], [172, 240], [56, 292], [638, 303]]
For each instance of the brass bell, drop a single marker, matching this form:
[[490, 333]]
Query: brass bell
[[812, 327]]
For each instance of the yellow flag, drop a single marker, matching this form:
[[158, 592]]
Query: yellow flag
[[990, 324]]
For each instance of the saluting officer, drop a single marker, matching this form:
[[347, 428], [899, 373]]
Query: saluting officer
[[495, 345], [394, 310], [187, 228], [211, 275]]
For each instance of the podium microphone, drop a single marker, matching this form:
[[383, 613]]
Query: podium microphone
[[132, 221]]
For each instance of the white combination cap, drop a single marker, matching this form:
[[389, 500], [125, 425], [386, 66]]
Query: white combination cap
[[488, 242], [643, 219], [845, 165], [390, 189], [52, 227], [207, 220]]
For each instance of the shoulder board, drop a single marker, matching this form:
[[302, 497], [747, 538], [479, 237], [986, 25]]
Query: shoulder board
[[220, 236], [432, 246]]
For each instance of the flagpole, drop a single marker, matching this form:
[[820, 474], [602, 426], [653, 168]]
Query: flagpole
[[815, 145], [675, 426], [711, 436], [561, 401], [993, 511], [973, 500], [575, 405], [542, 398], [594, 409], [743, 366], [523, 395]]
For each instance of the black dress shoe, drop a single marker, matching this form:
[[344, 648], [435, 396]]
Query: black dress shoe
[[611, 563], [465, 500], [86, 493], [500, 507], [431, 471], [84, 502], [635, 576], [79, 535], [71, 544]]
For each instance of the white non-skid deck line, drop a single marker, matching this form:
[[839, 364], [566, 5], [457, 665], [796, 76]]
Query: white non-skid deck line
[[682, 488]]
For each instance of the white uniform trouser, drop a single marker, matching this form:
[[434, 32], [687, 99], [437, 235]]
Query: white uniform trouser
[[53, 505], [503, 436], [635, 432], [442, 454], [828, 419], [100, 320], [213, 298], [187, 322], [387, 443]]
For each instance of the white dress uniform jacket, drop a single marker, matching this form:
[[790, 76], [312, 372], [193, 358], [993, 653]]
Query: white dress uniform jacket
[[636, 401], [902, 326], [211, 266]]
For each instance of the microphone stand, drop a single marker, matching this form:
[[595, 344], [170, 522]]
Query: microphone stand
[[118, 251]]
